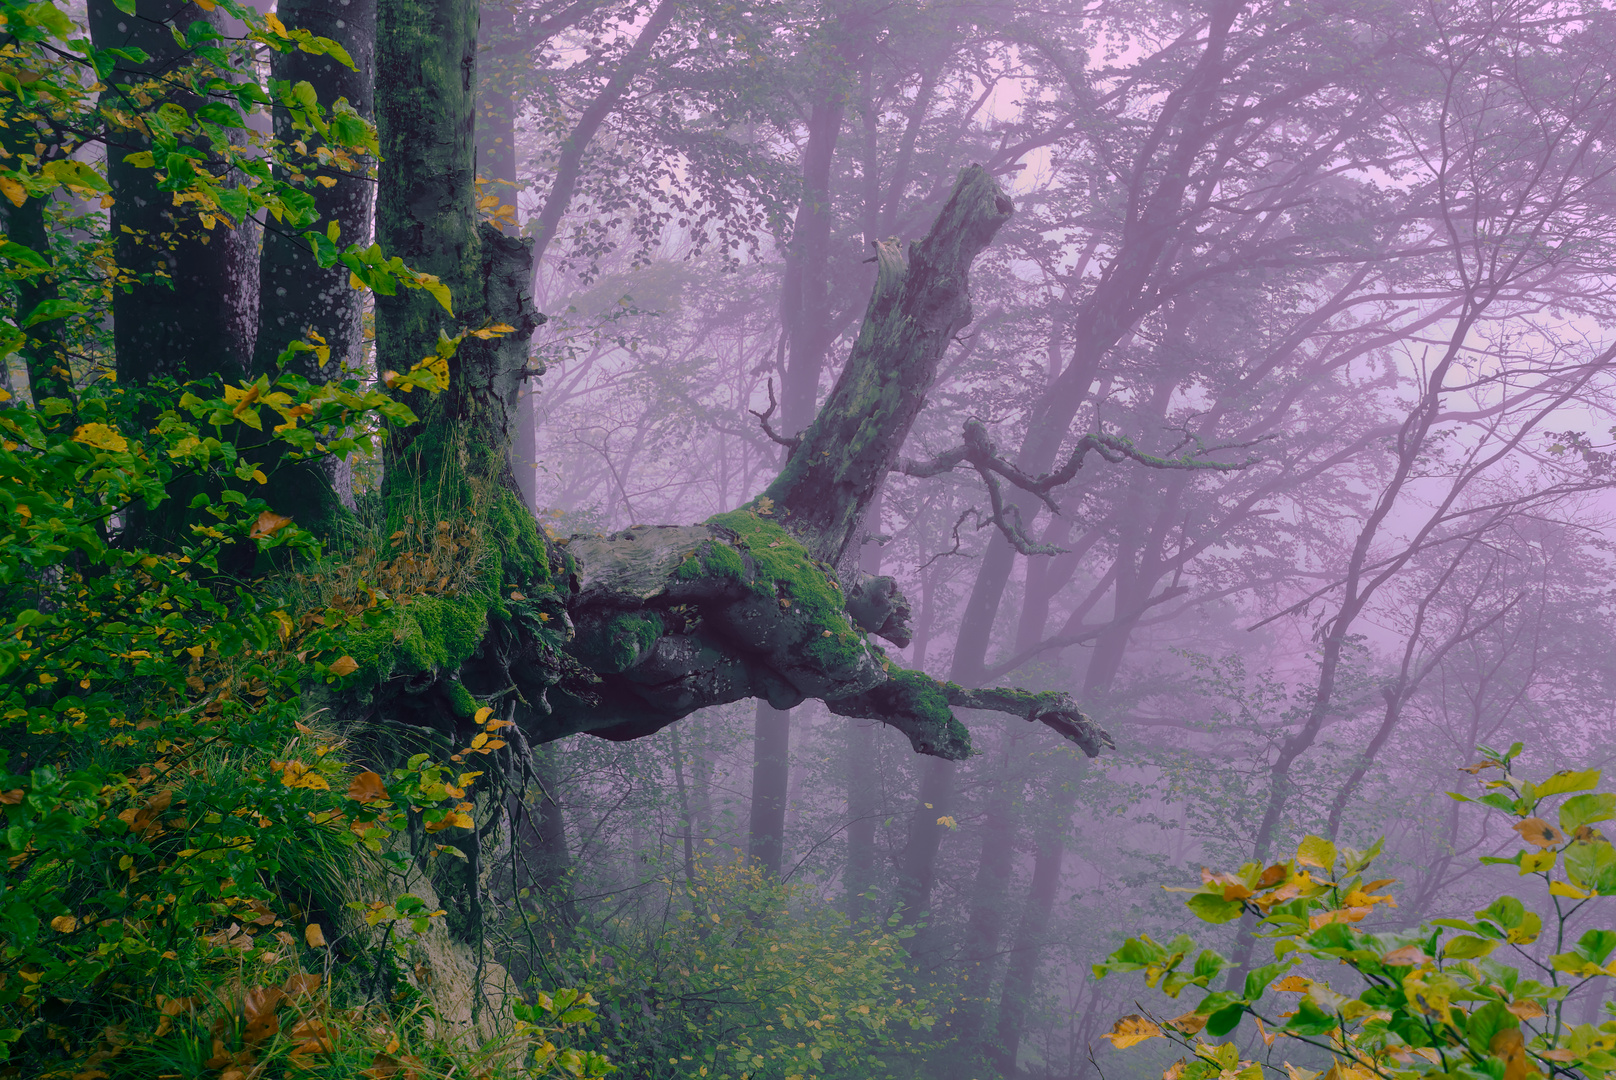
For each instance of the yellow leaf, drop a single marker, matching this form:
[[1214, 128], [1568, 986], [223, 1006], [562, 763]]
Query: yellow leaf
[[314, 936], [344, 665], [1316, 851], [1131, 1030], [64, 924], [1190, 1023], [1563, 888], [101, 437], [1534, 830], [13, 190], [1407, 956], [1293, 984], [326, 181], [947, 821], [482, 715], [275, 25]]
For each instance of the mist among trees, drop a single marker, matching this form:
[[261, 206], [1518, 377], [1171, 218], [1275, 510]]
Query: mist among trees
[[762, 540]]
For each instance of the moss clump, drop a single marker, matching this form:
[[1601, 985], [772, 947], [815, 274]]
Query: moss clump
[[784, 565], [618, 643], [925, 698], [460, 699], [430, 634], [713, 559]]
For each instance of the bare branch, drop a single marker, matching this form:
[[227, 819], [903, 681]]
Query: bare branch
[[790, 443]]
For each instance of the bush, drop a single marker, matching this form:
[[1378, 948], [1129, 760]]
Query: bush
[[1434, 1001], [735, 977]]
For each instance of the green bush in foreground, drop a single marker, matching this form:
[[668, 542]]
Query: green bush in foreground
[[1434, 1002]]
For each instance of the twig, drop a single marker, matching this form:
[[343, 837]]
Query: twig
[[790, 443]]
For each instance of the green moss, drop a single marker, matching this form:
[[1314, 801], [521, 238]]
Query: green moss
[[713, 559], [618, 643], [925, 697], [783, 564], [460, 699]]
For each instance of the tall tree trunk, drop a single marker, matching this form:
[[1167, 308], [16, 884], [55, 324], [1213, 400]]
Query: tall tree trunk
[[46, 361], [805, 319], [863, 779], [189, 306], [298, 298], [771, 774]]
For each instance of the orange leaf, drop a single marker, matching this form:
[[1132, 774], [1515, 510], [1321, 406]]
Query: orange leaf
[[268, 524], [1407, 956], [1525, 1010], [1293, 984], [1511, 1047], [366, 787], [344, 665], [64, 924], [300, 985], [1190, 1023], [314, 936], [12, 797], [1534, 830]]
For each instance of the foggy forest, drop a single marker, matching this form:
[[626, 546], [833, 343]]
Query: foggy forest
[[784, 539]]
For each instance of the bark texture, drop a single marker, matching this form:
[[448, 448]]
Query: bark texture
[[186, 304], [918, 304]]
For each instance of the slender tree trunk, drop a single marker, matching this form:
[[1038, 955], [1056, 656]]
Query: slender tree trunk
[[47, 364], [771, 775], [863, 780]]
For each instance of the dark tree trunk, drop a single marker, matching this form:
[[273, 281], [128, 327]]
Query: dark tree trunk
[[188, 307], [299, 299], [49, 370], [298, 296]]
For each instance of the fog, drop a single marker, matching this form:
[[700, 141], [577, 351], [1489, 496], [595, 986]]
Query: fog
[[1338, 274]]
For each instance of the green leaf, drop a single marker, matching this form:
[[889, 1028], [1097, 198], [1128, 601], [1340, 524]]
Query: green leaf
[[1566, 780], [1467, 947], [1580, 810], [1586, 862], [1596, 945], [1506, 911], [25, 255], [1257, 979], [1208, 964], [53, 308], [1526, 933], [1311, 1019], [1484, 1023], [1212, 908], [1224, 1020]]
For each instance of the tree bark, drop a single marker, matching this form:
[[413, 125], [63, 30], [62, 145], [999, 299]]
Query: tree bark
[[187, 303], [298, 298]]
